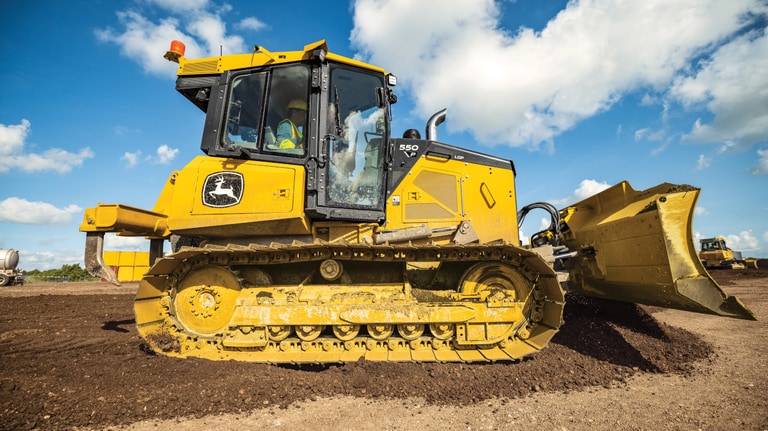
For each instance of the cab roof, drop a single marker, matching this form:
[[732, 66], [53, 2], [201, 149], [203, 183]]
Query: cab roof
[[259, 57]]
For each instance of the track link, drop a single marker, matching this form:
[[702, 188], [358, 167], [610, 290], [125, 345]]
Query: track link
[[330, 302]]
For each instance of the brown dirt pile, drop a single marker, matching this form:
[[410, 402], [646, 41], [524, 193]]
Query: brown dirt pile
[[76, 360]]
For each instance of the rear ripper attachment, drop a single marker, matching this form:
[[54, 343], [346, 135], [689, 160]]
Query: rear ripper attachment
[[306, 303]]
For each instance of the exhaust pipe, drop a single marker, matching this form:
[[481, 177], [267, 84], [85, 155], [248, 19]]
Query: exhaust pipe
[[434, 121]]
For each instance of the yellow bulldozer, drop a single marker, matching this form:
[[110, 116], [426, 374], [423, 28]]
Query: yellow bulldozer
[[715, 254], [307, 233]]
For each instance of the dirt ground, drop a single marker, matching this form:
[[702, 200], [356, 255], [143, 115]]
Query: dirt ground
[[71, 359]]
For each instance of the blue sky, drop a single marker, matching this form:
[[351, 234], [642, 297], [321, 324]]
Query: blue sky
[[581, 95]]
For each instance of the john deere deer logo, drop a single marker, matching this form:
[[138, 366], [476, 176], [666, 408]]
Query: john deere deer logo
[[223, 189]]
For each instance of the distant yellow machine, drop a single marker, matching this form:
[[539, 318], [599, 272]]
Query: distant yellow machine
[[307, 232], [127, 265], [716, 254]]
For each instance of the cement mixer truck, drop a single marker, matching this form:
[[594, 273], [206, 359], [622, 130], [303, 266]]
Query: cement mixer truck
[[9, 261]]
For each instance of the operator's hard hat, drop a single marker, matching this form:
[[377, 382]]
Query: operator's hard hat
[[298, 104]]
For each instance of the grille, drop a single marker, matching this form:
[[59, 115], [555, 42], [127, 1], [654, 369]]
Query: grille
[[202, 67]]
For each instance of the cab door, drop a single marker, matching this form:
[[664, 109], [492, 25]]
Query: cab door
[[352, 175]]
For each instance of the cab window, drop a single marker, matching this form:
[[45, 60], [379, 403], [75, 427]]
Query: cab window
[[356, 151], [267, 111], [244, 111], [286, 126]]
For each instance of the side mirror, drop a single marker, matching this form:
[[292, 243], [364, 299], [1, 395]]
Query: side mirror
[[385, 94]]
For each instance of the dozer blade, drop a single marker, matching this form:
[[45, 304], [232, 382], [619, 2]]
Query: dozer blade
[[637, 246]]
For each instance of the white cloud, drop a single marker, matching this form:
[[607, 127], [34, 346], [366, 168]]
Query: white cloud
[[649, 100], [125, 130], [180, 5], [18, 210], [212, 31], [703, 162], [43, 260], [700, 211], [762, 163], [131, 243], [658, 150], [640, 134], [145, 42], [36, 260], [55, 159], [203, 33], [132, 158], [726, 147], [12, 138], [582, 62], [251, 23], [733, 85], [646, 134], [744, 241], [165, 154], [524, 240], [12, 155], [588, 188]]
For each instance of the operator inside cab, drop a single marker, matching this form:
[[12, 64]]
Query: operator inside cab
[[290, 131]]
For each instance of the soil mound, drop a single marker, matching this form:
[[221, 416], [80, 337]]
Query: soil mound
[[77, 360]]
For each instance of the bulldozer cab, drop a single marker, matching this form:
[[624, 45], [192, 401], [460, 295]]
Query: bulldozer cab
[[331, 118], [713, 244]]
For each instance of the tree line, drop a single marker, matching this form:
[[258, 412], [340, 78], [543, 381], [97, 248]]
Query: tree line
[[71, 272]]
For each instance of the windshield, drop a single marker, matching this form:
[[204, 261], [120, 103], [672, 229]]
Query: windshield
[[713, 245]]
